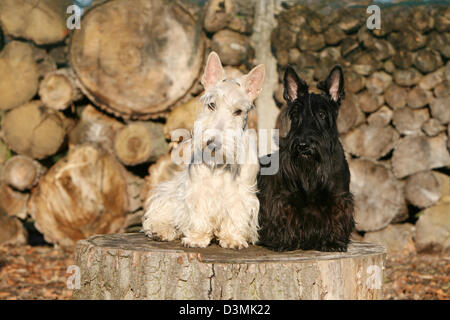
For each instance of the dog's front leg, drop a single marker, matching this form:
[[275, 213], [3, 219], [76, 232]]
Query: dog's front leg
[[196, 227]]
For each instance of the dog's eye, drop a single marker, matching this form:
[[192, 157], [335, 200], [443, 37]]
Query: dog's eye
[[322, 115], [212, 106], [238, 112]]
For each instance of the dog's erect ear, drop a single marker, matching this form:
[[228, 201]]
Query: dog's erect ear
[[333, 85], [213, 71], [294, 87], [253, 81]]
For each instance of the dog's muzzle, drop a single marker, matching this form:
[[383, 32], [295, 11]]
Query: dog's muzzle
[[213, 144]]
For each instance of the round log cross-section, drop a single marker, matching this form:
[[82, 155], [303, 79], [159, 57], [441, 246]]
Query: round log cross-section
[[130, 266], [137, 60]]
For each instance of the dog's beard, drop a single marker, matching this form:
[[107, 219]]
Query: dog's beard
[[231, 152]]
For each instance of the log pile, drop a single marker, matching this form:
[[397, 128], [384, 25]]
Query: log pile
[[87, 113], [394, 121]]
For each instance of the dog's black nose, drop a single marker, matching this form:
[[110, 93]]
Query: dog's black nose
[[302, 146], [213, 144]]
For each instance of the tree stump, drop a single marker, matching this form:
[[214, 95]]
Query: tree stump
[[146, 59], [130, 266]]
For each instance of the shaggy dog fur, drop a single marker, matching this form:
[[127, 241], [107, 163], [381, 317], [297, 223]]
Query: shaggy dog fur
[[216, 196], [307, 204]]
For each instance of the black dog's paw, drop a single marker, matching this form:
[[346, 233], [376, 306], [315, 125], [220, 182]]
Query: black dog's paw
[[333, 248]]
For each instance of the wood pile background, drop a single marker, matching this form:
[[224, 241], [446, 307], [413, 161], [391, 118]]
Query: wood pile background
[[86, 114], [394, 121]]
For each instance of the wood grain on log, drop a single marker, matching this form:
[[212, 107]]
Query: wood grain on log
[[19, 75], [12, 202], [34, 130], [42, 21], [130, 266], [11, 230], [140, 142], [22, 172], [422, 189], [84, 194], [58, 89], [133, 68], [379, 198], [95, 127]]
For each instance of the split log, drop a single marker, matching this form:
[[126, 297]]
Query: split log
[[370, 141], [58, 89], [19, 74], [85, 193], [231, 46], [130, 266], [12, 230], [378, 195], [396, 96], [218, 13], [42, 21], [422, 189], [413, 154], [419, 98], [369, 101], [381, 118], [34, 130], [140, 142], [12, 202], [409, 122], [134, 68], [432, 127], [350, 115], [183, 117], [22, 173], [95, 127], [4, 152]]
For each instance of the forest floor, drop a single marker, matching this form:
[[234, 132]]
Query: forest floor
[[40, 272]]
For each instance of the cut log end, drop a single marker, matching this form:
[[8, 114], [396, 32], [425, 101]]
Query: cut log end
[[139, 143], [58, 89], [130, 266], [22, 173]]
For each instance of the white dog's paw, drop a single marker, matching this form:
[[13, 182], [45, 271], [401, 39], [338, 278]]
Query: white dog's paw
[[162, 233], [196, 242], [233, 243]]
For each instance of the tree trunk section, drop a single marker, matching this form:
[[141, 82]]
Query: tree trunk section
[[266, 108], [34, 130], [43, 21], [95, 127], [147, 59], [11, 230], [22, 173], [12, 202], [84, 194], [19, 75], [379, 197], [140, 143], [130, 266], [58, 89]]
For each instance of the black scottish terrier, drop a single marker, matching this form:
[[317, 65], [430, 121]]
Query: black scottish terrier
[[307, 204]]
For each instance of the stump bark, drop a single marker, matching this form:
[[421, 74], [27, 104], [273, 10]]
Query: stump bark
[[130, 266]]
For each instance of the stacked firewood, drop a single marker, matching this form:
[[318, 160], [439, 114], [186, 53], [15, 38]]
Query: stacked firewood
[[394, 121], [85, 112]]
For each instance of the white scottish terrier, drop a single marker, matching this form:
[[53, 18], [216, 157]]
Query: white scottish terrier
[[215, 194]]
